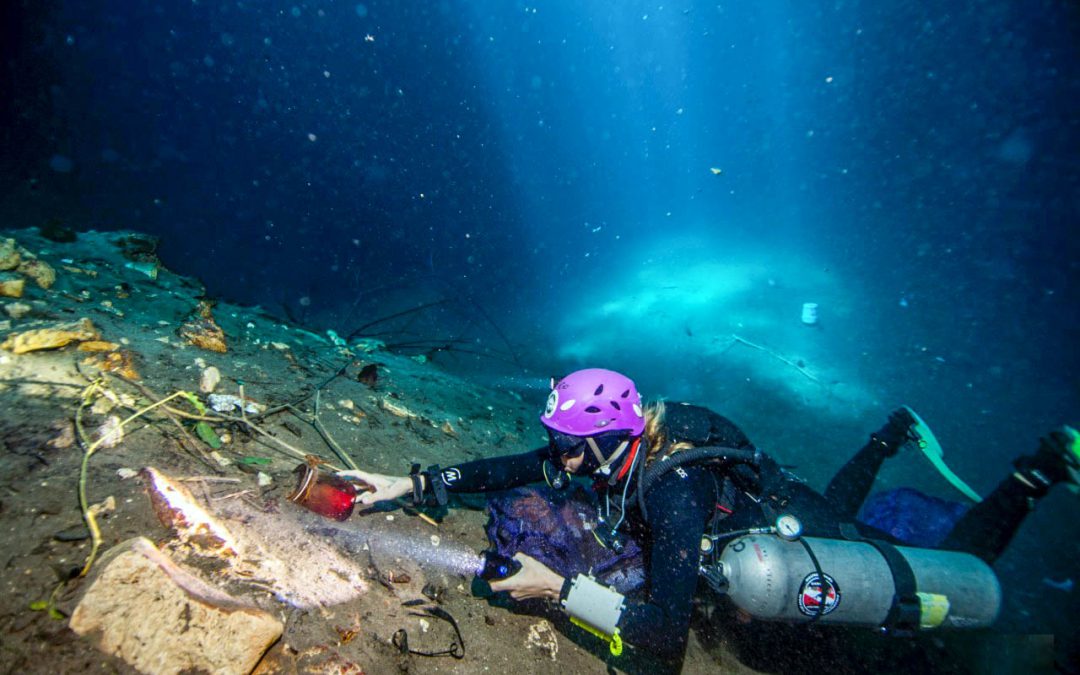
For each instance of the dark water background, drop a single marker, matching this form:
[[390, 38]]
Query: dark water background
[[544, 172]]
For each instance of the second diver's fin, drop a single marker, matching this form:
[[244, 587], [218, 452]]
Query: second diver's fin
[[930, 447], [1072, 459]]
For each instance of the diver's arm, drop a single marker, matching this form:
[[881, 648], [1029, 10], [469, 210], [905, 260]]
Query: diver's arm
[[492, 473], [482, 475]]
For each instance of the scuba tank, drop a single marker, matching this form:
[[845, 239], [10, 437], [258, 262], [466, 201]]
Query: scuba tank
[[838, 581]]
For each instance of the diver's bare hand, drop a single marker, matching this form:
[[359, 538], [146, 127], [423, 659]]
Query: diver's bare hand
[[533, 580], [385, 487]]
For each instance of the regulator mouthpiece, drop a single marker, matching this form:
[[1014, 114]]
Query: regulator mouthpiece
[[495, 566], [325, 494]]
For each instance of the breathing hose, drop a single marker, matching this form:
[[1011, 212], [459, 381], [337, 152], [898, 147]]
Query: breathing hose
[[717, 454]]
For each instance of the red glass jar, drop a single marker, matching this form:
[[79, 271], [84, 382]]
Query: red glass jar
[[325, 494]]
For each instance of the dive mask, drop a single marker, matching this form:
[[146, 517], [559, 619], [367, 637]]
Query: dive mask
[[598, 450]]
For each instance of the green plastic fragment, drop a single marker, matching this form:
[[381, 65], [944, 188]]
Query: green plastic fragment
[[194, 400], [206, 433], [39, 605]]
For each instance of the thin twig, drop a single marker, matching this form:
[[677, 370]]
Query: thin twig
[[419, 308], [338, 450], [776, 356], [231, 495]]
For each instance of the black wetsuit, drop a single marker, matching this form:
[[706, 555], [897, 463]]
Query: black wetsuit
[[683, 502], [680, 505]]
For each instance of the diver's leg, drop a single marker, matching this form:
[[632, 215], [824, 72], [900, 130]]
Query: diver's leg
[[988, 527], [852, 483]]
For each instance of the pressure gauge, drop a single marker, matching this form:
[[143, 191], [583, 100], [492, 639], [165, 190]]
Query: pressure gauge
[[788, 527]]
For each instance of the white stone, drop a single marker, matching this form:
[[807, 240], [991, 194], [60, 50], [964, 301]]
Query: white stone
[[159, 618], [209, 380]]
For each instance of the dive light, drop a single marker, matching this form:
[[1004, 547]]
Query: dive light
[[495, 566]]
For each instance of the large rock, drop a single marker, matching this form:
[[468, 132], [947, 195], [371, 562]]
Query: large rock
[[55, 337], [38, 270], [159, 618], [11, 286], [9, 254]]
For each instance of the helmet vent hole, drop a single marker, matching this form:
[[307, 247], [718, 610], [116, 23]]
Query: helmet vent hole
[[599, 390], [625, 394], [592, 409], [615, 404]]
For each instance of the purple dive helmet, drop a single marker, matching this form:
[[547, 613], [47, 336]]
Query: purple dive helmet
[[592, 401]]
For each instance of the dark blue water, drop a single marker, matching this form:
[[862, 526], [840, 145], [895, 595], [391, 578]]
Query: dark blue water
[[654, 187]]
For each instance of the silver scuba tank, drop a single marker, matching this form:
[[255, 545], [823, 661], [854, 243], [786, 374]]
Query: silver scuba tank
[[774, 579]]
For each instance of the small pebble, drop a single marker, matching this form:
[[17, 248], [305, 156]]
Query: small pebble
[[74, 533]]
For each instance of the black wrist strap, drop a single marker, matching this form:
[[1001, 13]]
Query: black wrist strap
[[417, 485], [436, 485]]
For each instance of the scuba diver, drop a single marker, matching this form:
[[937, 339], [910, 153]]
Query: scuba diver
[[702, 501]]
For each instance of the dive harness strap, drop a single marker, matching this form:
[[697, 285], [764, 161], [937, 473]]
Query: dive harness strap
[[904, 616], [705, 455], [594, 607]]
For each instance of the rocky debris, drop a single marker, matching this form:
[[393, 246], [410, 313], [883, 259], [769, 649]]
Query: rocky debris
[[542, 636], [209, 380], [120, 361], [279, 552], [318, 660], [11, 286], [17, 258], [17, 310], [98, 346], [202, 331], [178, 510], [159, 618], [150, 269], [9, 254], [137, 247], [54, 337], [38, 270], [110, 433]]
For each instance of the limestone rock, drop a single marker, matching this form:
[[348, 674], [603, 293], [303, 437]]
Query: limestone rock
[[51, 338], [17, 310], [119, 361], [159, 618], [202, 331], [11, 286], [542, 636], [98, 346], [209, 380], [178, 510], [38, 270], [9, 255]]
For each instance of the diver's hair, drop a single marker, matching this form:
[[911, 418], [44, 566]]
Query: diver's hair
[[655, 433]]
